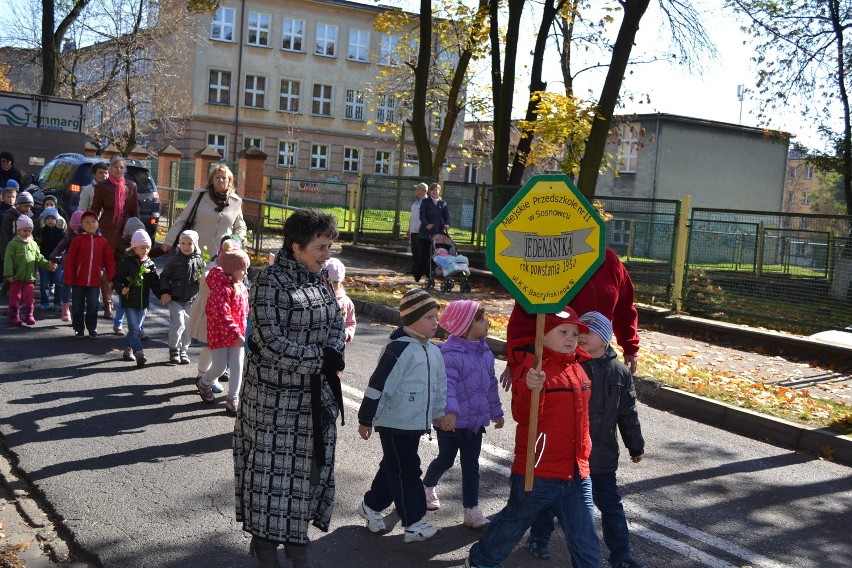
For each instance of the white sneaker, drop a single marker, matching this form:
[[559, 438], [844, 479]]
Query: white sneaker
[[432, 503], [473, 517], [421, 530], [375, 520]]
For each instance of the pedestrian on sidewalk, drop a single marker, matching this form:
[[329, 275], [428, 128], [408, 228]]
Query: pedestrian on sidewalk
[[473, 402], [50, 235], [19, 270], [136, 279], [612, 406], [178, 289], [291, 395], [58, 256], [227, 311], [407, 393], [336, 273], [414, 227], [130, 227], [22, 205], [89, 257], [434, 219]]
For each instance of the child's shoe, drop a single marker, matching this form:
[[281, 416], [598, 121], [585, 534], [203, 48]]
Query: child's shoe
[[93, 333], [15, 321], [57, 307], [231, 403], [29, 319], [467, 564], [45, 307], [432, 503], [205, 392], [117, 331], [538, 550], [66, 311], [473, 517], [216, 387], [184, 358], [128, 354], [375, 520], [79, 334], [140, 358], [421, 530], [174, 356]]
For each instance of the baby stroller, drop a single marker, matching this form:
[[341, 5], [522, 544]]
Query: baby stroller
[[448, 263]]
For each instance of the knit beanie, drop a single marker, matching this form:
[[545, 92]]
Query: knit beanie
[[336, 270], [234, 243], [140, 238], [12, 183], [600, 324], [23, 222], [76, 218], [38, 197], [567, 315], [50, 212], [458, 316], [132, 225], [49, 197], [414, 304], [24, 198], [192, 235], [233, 260]]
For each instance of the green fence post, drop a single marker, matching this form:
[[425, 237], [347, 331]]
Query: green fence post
[[480, 217], [359, 208], [679, 258], [631, 227], [758, 262], [829, 257]]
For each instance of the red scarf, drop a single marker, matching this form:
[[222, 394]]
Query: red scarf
[[120, 194]]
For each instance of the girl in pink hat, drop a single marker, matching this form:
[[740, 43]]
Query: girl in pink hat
[[472, 404]]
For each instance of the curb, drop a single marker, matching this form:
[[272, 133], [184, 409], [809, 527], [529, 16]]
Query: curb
[[822, 443]]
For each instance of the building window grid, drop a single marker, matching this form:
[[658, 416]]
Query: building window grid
[[255, 92], [385, 109], [222, 27], [322, 100], [388, 50], [218, 142], [628, 151], [249, 141], [220, 87], [618, 232], [319, 156], [354, 104], [258, 29], [287, 153], [351, 160], [293, 33], [809, 172], [805, 198], [383, 162], [326, 40], [288, 101], [359, 45]]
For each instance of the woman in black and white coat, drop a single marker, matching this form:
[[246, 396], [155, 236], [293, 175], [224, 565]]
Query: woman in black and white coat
[[285, 432]]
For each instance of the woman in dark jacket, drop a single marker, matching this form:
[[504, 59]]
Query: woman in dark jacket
[[434, 218], [291, 395]]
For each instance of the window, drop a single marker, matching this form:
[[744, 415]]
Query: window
[[322, 100], [805, 198], [351, 160], [791, 173], [258, 29], [385, 109], [618, 231], [287, 153], [809, 172], [249, 141], [219, 91], [440, 112], [289, 99], [222, 28], [388, 50], [628, 150], [319, 157], [470, 173], [326, 40], [255, 91], [791, 197], [383, 162], [354, 104], [218, 142], [292, 35], [359, 45]]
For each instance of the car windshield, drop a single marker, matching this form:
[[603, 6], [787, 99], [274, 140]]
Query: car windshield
[[144, 183]]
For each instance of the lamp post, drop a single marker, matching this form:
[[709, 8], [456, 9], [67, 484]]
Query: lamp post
[[741, 95]]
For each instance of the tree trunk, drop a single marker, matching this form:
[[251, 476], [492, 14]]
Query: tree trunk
[[596, 144], [503, 87], [419, 132], [51, 39], [452, 111]]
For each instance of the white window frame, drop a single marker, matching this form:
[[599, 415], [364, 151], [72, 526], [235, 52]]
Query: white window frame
[[471, 172], [247, 138], [292, 39], [320, 156], [288, 153], [322, 99], [223, 90], [806, 198], [354, 109], [628, 151], [359, 45], [222, 26], [326, 42], [255, 87], [384, 160], [618, 231], [385, 110], [389, 50], [219, 142], [351, 160], [259, 25], [809, 172], [288, 98]]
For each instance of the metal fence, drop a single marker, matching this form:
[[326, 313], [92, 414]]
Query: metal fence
[[332, 196]]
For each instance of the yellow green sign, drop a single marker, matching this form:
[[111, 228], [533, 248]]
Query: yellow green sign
[[545, 244]]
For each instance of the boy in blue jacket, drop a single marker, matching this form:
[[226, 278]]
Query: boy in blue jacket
[[406, 393]]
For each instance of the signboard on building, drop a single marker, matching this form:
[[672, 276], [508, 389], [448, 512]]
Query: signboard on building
[[37, 111]]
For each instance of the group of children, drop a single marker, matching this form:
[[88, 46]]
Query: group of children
[[585, 394]]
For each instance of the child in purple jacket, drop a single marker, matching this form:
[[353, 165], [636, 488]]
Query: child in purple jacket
[[472, 404]]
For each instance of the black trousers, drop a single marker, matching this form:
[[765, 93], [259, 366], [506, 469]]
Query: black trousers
[[424, 247]]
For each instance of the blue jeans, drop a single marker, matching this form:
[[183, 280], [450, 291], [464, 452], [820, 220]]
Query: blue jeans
[[608, 501], [135, 318], [571, 501], [84, 307], [398, 479], [468, 444], [48, 280]]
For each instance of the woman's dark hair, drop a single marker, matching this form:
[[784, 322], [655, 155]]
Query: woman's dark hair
[[100, 166], [7, 156], [305, 225]]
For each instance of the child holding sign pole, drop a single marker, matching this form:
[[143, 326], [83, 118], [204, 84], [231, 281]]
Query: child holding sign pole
[[562, 446]]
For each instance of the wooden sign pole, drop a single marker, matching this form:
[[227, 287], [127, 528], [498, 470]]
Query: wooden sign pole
[[532, 435]]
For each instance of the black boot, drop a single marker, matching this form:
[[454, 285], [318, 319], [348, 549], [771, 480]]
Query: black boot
[[298, 555], [266, 552]]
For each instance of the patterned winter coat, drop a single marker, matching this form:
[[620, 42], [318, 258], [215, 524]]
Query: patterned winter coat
[[293, 315], [471, 383], [226, 310]]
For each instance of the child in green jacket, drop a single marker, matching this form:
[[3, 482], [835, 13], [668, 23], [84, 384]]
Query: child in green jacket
[[19, 270]]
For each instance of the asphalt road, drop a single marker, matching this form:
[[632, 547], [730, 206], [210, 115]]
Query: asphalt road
[[140, 471]]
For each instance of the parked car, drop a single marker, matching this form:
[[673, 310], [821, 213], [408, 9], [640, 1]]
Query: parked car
[[66, 174]]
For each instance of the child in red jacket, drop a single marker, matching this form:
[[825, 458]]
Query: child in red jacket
[[89, 255], [227, 310]]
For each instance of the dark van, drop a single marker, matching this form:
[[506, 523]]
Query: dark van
[[66, 174]]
